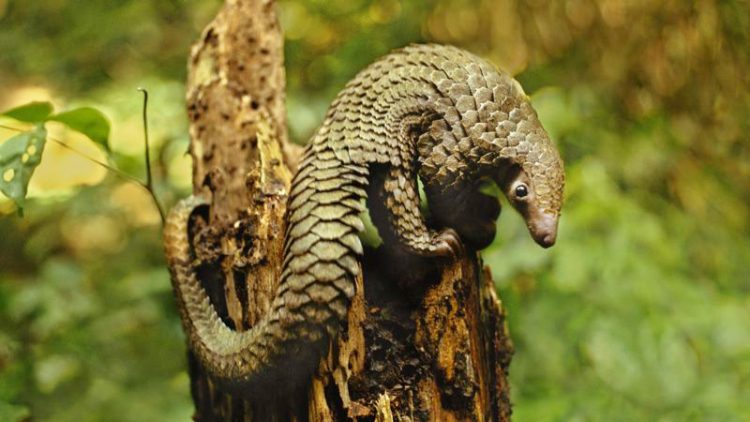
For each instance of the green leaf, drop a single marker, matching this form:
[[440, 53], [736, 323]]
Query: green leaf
[[19, 156], [51, 371], [13, 413], [33, 112], [87, 120]]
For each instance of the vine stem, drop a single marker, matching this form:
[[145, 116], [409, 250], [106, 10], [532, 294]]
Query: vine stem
[[147, 153]]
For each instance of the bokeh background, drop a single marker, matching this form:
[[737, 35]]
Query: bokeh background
[[640, 312]]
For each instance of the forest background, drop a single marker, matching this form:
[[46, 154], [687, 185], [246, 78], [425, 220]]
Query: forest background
[[640, 312]]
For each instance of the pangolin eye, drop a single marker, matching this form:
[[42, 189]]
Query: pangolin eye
[[521, 191]]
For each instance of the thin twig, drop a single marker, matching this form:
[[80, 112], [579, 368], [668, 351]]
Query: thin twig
[[149, 176]]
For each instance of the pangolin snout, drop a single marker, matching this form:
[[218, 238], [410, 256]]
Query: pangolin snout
[[543, 229]]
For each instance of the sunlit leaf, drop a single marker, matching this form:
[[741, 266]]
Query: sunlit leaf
[[87, 120], [19, 156], [33, 112]]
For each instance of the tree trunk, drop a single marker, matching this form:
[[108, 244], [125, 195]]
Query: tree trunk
[[438, 354]]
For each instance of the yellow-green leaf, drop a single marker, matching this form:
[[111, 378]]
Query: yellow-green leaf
[[33, 112], [87, 120]]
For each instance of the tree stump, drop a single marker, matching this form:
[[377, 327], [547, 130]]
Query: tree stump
[[438, 352]]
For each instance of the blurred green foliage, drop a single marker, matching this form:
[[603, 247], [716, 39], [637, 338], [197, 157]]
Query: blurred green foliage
[[640, 312]]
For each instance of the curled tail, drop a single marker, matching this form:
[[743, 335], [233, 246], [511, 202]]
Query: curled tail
[[317, 283]]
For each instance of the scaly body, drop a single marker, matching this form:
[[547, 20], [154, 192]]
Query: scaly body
[[433, 111]]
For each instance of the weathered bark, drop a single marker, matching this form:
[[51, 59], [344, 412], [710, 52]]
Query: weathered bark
[[439, 353]]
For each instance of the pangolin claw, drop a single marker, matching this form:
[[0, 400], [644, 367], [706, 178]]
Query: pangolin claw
[[449, 244]]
